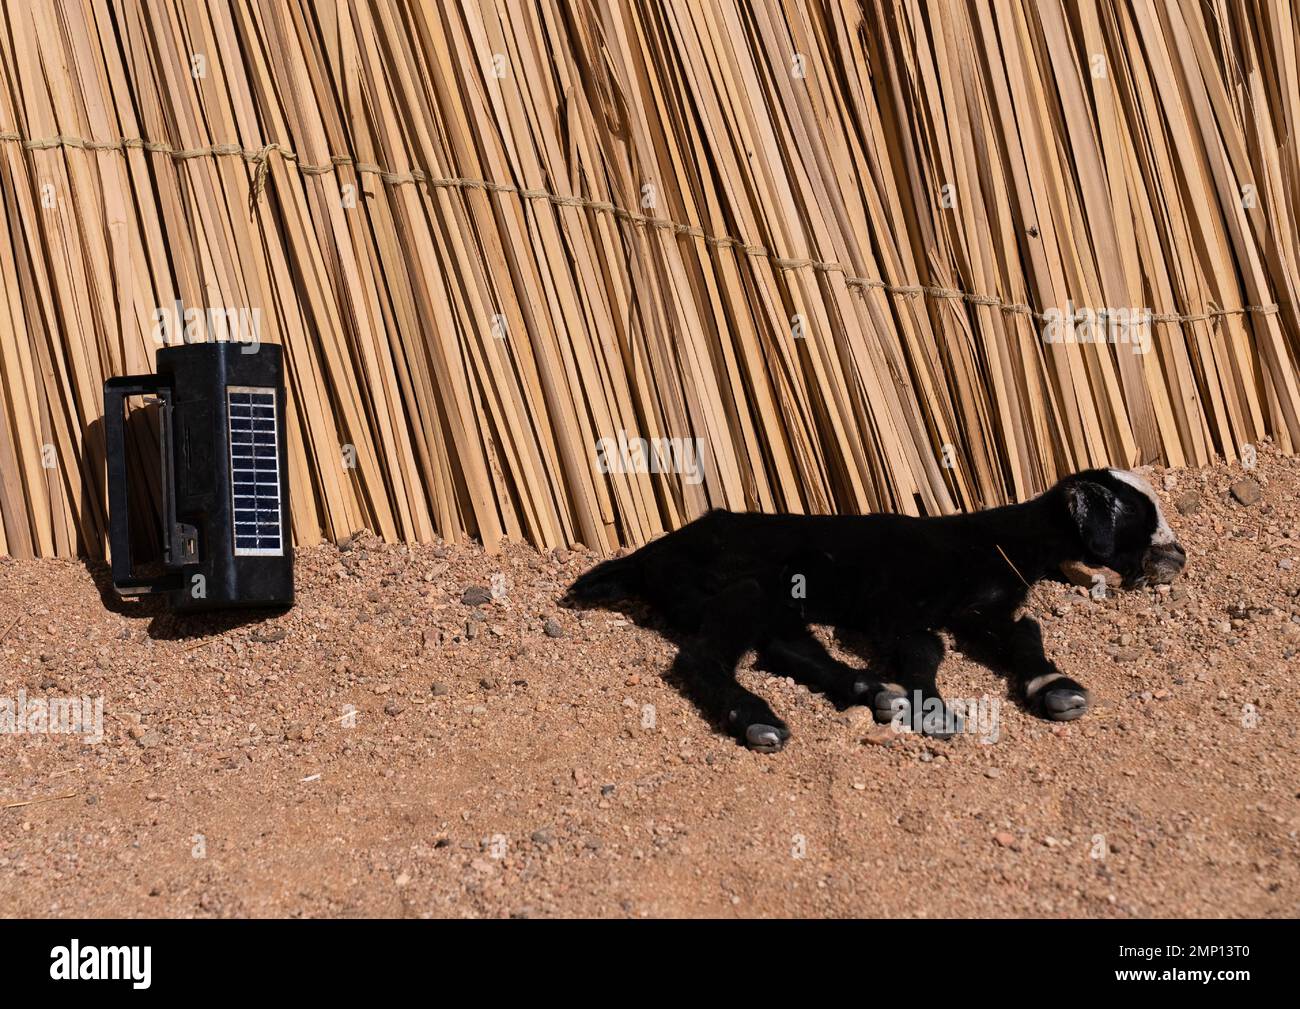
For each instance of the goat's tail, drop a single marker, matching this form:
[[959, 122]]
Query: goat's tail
[[607, 582]]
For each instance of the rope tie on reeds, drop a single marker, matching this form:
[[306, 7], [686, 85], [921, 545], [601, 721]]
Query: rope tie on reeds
[[263, 162], [260, 158]]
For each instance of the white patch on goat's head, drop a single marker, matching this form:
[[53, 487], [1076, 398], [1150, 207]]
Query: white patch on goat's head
[[1163, 535]]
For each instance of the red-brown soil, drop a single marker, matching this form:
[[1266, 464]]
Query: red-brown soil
[[508, 772]]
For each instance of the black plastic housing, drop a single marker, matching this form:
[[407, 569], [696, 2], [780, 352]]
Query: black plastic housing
[[206, 566]]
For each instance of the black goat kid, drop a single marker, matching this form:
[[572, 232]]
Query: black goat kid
[[730, 582]]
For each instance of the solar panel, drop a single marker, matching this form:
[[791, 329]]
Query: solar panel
[[254, 471]]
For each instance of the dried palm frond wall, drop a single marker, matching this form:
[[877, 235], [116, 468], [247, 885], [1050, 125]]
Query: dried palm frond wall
[[819, 241]]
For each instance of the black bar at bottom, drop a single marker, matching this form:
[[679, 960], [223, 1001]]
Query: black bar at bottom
[[801, 958]]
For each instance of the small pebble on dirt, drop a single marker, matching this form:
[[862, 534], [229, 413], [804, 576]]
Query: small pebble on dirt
[[1084, 576], [476, 595], [1188, 503], [1246, 491]]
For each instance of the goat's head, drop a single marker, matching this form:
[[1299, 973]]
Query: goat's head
[[1121, 527]]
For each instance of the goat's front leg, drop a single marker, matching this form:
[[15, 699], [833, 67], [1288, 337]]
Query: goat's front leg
[[1046, 690], [1036, 680], [915, 700]]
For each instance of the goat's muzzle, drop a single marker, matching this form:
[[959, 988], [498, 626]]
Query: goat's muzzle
[[1162, 564]]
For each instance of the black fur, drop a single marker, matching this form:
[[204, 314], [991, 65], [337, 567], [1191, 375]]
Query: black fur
[[730, 582]]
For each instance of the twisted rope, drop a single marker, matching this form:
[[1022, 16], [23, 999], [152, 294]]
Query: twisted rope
[[260, 159]]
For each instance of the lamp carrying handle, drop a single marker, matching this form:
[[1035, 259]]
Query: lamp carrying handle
[[116, 392]]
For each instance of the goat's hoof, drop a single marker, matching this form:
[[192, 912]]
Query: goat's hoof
[[1064, 705], [942, 724], [1063, 701], [865, 692], [753, 723], [766, 738], [891, 705]]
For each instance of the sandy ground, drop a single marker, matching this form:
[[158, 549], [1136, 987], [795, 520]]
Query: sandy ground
[[387, 749]]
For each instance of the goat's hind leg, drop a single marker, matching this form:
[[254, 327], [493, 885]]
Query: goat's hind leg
[[796, 652], [731, 622]]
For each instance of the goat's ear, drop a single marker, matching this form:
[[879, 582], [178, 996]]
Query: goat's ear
[[1093, 508]]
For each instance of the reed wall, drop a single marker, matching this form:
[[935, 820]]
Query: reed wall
[[825, 255]]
